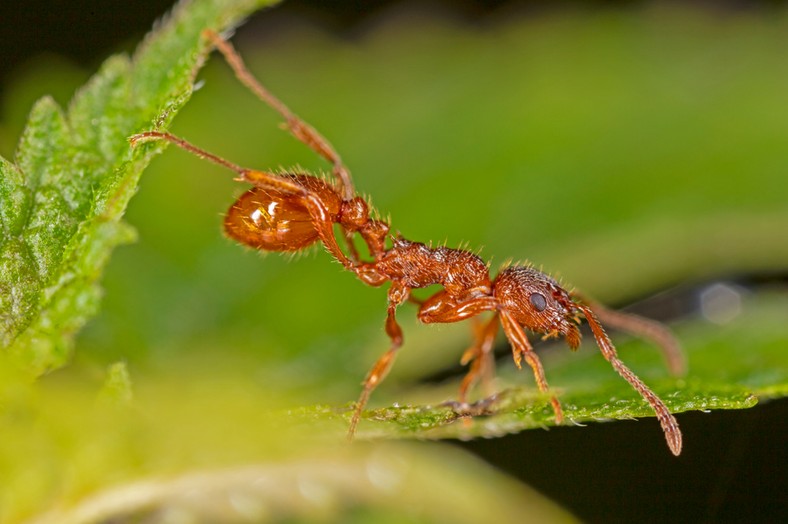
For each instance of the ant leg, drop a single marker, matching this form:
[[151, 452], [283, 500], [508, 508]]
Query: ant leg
[[257, 178], [297, 127], [398, 293], [321, 217], [150, 136], [442, 308], [645, 328], [668, 422], [480, 357], [521, 348], [351, 246]]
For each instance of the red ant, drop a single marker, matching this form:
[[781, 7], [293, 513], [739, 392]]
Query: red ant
[[288, 212]]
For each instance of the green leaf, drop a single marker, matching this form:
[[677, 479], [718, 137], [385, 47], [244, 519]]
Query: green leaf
[[62, 199]]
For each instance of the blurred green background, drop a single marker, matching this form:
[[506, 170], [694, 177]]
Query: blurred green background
[[626, 149]]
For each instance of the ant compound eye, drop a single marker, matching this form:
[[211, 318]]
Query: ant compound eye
[[538, 301]]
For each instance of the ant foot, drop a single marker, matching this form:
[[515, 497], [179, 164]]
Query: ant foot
[[475, 409]]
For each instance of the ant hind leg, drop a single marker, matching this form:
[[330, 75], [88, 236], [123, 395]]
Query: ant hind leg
[[297, 127], [150, 136], [398, 293]]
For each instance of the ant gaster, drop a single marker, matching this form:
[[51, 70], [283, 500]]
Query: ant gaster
[[290, 211]]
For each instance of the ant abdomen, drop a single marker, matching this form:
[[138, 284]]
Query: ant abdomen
[[277, 221]]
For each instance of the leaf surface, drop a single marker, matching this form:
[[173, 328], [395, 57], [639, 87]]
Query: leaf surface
[[62, 199]]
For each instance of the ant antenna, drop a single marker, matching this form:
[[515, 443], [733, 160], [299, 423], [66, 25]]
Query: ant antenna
[[669, 425]]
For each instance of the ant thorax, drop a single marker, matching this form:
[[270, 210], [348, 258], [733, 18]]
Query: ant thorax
[[417, 265]]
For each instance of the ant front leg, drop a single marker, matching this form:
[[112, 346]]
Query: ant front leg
[[444, 308], [398, 293], [522, 349]]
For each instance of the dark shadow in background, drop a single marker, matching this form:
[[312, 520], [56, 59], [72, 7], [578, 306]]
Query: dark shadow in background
[[733, 468], [87, 31]]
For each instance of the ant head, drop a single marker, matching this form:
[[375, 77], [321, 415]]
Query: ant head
[[538, 303]]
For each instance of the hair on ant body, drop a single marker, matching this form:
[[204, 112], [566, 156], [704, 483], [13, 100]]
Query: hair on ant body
[[288, 212]]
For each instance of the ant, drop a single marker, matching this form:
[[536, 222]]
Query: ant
[[290, 211]]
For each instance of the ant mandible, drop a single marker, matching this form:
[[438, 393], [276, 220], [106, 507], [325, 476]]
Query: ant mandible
[[288, 212]]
